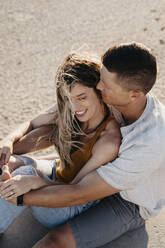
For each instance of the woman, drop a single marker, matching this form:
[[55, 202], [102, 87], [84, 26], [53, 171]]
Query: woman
[[83, 131]]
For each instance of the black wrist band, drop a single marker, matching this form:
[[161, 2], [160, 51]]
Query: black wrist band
[[20, 200]]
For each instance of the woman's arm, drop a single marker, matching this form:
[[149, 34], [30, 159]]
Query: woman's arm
[[26, 134], [105, 150], [33, 140], [6, 145]]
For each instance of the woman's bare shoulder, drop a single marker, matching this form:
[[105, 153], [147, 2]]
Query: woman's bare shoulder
[[112, 127], [110, 137]]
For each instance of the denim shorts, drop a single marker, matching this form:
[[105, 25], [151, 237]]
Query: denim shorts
[[46, 167]]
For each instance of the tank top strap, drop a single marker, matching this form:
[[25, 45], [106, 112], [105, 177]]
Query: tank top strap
[[97, 134]]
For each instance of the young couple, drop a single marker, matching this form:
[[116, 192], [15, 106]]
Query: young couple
[[99, 188]]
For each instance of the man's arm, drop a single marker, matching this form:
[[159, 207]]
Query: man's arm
[[91, 187], [132, 167]]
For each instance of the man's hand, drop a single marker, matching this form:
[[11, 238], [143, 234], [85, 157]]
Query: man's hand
[[21, 184], [16, 186], [13, 201], [4, 177], [6, 149]]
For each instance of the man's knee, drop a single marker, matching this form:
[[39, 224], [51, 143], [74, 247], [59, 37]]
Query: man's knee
[[61, 237]]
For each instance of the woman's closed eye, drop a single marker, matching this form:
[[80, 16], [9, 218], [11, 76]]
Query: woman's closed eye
[[82, 98]]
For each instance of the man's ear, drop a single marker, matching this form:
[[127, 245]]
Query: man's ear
[[135, 94]]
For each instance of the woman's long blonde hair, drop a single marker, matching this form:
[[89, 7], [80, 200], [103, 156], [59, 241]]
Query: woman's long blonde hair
[[76, 68]]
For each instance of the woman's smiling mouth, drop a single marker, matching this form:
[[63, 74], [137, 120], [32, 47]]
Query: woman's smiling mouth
[[80, 113]]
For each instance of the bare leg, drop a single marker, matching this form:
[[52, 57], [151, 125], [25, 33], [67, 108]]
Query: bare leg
[[14, 163], [5, 173], [60, 237]]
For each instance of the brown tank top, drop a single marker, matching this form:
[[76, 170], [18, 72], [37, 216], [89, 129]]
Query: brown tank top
[[79, 157]]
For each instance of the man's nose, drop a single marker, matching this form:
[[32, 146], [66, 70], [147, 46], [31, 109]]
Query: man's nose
[[100, 85]]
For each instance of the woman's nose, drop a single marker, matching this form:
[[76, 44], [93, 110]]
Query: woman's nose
[[76, 106]]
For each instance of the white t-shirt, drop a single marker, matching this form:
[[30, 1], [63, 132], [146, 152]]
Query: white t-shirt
[[139, 170]]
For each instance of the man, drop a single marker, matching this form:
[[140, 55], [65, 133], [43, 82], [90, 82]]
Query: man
[[132, 184]]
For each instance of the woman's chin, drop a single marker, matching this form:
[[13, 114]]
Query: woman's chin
[[82, 118]]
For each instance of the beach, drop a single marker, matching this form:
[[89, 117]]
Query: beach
[[35, 36]]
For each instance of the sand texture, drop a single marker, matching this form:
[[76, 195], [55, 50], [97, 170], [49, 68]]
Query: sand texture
[[34, 38]]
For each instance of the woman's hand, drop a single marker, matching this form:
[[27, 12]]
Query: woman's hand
[[19, 185], [6, 149]]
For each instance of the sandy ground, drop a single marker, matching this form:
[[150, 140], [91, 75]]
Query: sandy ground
[[36, 35]]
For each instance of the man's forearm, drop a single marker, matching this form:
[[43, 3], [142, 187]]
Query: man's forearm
[[91, 187], [53, 196]]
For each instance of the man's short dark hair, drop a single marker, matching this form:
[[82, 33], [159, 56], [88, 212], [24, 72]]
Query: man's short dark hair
[[134, 63]]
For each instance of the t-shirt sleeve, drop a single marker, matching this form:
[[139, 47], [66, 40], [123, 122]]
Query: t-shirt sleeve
[[132, 166]]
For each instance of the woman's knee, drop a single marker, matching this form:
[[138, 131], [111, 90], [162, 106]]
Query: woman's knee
[[15, 162]]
